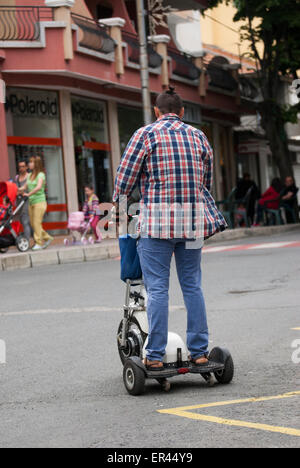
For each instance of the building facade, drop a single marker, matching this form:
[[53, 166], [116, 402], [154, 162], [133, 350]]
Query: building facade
[[73, 94], [252, 151]]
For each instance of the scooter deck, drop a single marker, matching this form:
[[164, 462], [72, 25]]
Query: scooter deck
[[169, 372]]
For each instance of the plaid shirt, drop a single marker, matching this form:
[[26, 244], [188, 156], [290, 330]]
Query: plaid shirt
[[173, 164]]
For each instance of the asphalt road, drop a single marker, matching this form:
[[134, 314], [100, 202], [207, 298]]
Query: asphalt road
[[62, 383]]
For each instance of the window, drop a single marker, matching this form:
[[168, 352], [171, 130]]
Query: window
[[130, 120], [92, 150], [131, 8], [33, 123], [105, 10]]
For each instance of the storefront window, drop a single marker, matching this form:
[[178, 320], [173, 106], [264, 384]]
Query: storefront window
[[92, 149], [130, 120], [33, 124]]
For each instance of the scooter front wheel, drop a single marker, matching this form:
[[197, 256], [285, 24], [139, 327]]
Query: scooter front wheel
[[134, 378]]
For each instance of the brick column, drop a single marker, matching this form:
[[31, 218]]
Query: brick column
[[62, 12], [68, 150], [115, 26], [4, 160], [161, 42], [199, 62], [114, 137]]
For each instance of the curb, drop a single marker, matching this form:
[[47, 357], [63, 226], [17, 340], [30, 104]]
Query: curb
[[110, 249]]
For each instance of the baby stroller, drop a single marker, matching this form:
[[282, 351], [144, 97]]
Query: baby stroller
[[10, 230], [79, 227]]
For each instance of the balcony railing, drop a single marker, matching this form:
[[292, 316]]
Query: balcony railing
[[93, 36], [22, 23], [183, 66], [154, 59]]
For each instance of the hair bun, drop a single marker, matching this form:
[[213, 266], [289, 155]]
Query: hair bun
[[171, 90]]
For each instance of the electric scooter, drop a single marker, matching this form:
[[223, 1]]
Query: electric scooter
[[132, 341]]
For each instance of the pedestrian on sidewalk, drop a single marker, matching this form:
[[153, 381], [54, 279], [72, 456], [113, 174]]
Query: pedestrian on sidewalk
[[172, 163], [21, 180], [91, 211], [34, 189]]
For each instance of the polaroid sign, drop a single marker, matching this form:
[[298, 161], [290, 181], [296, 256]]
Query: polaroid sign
[[22, 105], [2, 352], [87, 112]]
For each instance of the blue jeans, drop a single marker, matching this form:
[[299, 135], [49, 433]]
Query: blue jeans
[[155, 256]]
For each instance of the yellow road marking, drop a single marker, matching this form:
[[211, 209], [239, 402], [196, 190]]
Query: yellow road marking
[[185, 412]]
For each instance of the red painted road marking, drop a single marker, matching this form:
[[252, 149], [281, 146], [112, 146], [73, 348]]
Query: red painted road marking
[[269, 245]]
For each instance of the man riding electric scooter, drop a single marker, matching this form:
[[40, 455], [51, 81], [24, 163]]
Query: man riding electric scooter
[[172, 163]]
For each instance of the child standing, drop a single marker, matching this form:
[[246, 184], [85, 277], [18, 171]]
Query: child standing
[[91, 211]]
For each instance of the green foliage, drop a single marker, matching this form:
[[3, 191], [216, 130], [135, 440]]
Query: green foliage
[[274, 26]]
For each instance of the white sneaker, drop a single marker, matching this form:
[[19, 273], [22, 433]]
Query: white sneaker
[[47, 243], [37, 247]]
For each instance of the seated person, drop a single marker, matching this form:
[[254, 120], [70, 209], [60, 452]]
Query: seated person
[[242, 189], [289, 198], [270, 200]]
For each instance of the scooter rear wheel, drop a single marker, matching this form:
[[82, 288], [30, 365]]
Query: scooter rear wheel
[[223, 356], [135, 340]]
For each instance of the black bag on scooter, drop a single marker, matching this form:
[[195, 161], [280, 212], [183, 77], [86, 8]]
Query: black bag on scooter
[[130, 261]]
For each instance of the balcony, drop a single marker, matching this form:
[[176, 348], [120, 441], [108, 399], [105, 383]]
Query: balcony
[[154, 59], [92, 36], [220, 75], [23, 23], [183, 66]]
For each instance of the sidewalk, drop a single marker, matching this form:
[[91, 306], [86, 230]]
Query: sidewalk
[[58, 254]]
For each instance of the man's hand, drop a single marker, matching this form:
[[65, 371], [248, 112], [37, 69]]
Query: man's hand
[[288, 196]]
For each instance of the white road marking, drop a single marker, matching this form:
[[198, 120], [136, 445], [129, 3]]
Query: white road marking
[[271, 245], [72, 310], [217, 249]]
